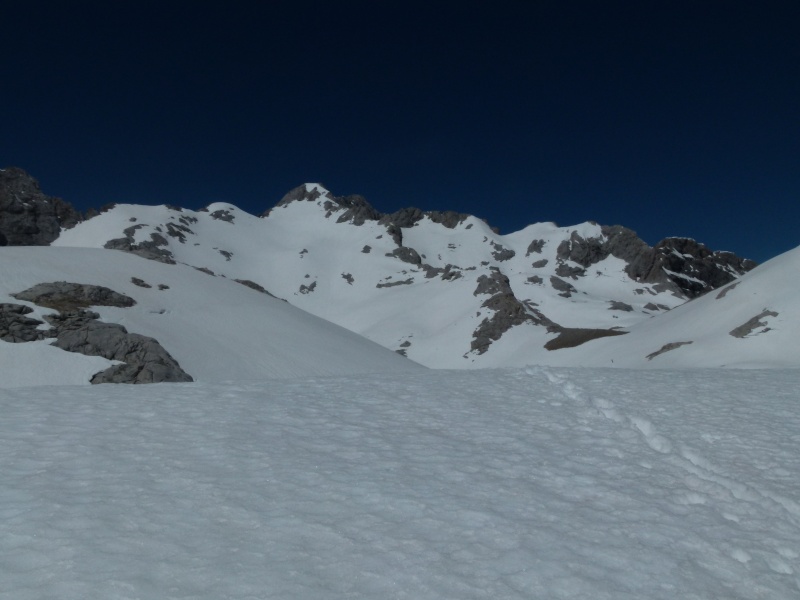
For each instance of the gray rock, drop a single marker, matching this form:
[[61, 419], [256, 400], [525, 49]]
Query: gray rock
[[408, 255], [298, 194], [651, 306], [617, 305], [79, 330], [535, 246], [151, 250], [15, 327], [750, 325], [508, 311], [686, 267], [408, 281], [724, 291], [140, 282], [145, 360], [570, 337], [565, 270], [222, 215], [307, 289], [254, 286], [501, 254], [539, 263], [63, 295], [27, 216], [566, 289], [667, 348]]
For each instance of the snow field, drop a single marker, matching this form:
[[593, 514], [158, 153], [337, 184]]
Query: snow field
[[528, 483]]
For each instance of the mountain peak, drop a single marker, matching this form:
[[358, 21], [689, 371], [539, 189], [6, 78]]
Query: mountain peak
[[307, 192]]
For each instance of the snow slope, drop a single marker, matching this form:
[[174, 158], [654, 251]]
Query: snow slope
[[430, 298], [215, 328], [751, 323], [347, 271], [593, 484]]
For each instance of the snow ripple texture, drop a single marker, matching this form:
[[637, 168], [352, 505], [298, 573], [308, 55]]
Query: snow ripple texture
[[534, 483]]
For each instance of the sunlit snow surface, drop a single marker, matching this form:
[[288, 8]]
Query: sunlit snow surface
[[531, 483]]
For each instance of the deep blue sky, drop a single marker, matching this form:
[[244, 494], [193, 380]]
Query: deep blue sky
[[669, 117]]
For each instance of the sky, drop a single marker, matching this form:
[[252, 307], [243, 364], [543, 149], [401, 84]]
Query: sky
[[671, 118]]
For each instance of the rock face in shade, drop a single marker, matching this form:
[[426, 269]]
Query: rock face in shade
[[27, 216]]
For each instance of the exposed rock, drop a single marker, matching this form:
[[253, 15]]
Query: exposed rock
[[748, 327], [140, 282], [501, 254], [222, 215], [152, 250], [356, 209], [570, 337], [408, 217], [27, 216], [307, 289], [163, 286], [408, 255], [145, 360], [16, 327], [724, 291], [254, 286], [65, 296], [79, 330], [366, 249], [667, 348], [348, 278], [299, 194], [566, 289], [226, 254], [687, 267], [651, 306], [178, 231], [539, 263], [395, 283], [617, 305], [565, 270], [205, 270], [508, 311], [535, 246], [535, 279], [405, 217]]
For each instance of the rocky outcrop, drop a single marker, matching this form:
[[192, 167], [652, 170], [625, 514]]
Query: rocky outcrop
[[667, 348], [144, 359], [27, 216], [748, 327], [152, 249], [15, 327], [684, 266], [63, 295], [76, 329], [508, 311]]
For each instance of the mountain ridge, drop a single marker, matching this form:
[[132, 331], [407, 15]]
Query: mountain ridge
[[442, 288]]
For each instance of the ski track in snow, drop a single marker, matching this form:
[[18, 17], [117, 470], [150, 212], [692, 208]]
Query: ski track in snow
[[523, 483]]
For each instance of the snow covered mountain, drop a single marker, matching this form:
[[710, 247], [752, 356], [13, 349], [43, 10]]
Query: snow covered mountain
[[440, 288], [443, 289], [177, 324]]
